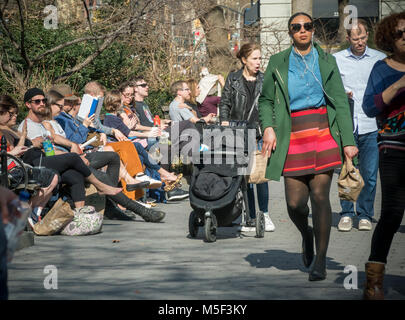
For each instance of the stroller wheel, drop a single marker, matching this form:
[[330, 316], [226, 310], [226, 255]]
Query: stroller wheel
[[193, 224], [260, 224], [210, 228]]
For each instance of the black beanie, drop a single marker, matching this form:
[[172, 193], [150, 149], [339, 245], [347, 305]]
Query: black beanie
[[32, 93]]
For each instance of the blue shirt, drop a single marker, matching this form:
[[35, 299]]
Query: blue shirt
[[74, 129], [355, 71], [304, 90]]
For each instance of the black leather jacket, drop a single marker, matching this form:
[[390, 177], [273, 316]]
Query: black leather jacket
[[234, 97]]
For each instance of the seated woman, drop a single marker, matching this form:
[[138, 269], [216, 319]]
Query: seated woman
[[112, 104], [96, 161]]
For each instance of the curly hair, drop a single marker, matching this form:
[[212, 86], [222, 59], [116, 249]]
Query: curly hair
[[384, 35]]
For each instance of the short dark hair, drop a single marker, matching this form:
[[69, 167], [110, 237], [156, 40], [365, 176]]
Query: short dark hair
[[137, 79], [7, 103], [296, 15], [124, 85], [176, 86], [385, 32], [112, 101]]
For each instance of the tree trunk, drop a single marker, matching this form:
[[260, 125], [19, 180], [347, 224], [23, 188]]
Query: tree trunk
[[219, 53], [302, 6], [341, 37]]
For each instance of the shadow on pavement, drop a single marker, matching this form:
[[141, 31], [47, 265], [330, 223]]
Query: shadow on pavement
[[284, 260]]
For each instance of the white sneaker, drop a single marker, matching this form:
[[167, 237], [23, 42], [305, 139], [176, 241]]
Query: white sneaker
[[268, 224], [249, 227], [154, 184]]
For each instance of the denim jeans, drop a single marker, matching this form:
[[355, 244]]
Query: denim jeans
[[3, 263], [262, 193], [368, 166]]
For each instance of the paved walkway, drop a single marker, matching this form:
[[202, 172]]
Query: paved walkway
[[160, 261]]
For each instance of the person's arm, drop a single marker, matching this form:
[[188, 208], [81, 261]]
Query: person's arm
[[62, 141], [267, 113], [377, 97], [221, 80], [226, 104], [23, 135], [77, 134]]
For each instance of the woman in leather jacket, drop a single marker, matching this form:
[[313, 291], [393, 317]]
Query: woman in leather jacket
[[239, 101]]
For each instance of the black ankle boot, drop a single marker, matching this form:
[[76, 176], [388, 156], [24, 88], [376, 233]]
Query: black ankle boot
[[308, 248]]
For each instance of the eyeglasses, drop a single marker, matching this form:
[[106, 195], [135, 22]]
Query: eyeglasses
[[12, 114], [186, 89], [128, 95], [143, 85], [59, 105], [38, 101], [399, 33], [296, 27]]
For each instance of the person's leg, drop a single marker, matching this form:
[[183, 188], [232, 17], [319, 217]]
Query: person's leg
[[3, 263], [392, 176], [297, 195], [368, 166], [98, 160], [145, 158], [263, 196], [321, 219], [41, 199], [251, 200], [77, 191]]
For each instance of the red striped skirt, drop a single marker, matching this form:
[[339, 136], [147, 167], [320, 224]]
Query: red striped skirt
[[312, 148]]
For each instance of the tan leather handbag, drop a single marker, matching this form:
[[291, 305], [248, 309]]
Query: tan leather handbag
[[350, 182]]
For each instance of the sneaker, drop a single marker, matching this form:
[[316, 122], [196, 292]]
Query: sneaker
[[269, 225], [148, 214], [33, 219], [364, 225], [153, 184], [176, 194], [250, 226], [345, 224]]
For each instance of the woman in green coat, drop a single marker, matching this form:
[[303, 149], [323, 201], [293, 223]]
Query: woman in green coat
[[305, 117]]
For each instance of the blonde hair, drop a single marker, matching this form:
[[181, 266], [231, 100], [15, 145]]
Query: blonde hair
[[94, 89], [192, 84], [112, 101]]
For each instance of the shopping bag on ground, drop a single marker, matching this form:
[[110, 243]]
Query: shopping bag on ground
[[55, 220], [350, 182], [86, 221]]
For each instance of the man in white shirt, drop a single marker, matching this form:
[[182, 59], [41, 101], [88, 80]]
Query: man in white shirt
[[355, 64]]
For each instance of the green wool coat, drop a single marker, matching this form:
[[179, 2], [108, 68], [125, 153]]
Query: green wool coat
[[274, 106]]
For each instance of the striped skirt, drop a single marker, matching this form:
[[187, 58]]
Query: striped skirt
[[312, 148]]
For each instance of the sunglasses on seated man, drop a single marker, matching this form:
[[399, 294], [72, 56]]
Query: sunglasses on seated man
[[38, 101]]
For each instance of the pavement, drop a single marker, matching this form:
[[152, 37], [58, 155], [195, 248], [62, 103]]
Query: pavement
[[159, 261]]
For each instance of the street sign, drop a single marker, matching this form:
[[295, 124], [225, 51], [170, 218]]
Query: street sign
[[252, 15]]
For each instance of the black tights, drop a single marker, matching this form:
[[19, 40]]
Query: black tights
[[316, 188]]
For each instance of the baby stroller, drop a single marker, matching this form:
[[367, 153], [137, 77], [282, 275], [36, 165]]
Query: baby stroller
[[218, 190]]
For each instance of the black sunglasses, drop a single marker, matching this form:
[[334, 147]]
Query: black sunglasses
[[143, 85], [399, 33], [38, 101], [296, 27]]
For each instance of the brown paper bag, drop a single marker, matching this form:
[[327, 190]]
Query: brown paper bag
[[258, 168], [55, 220], [350, 182]]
